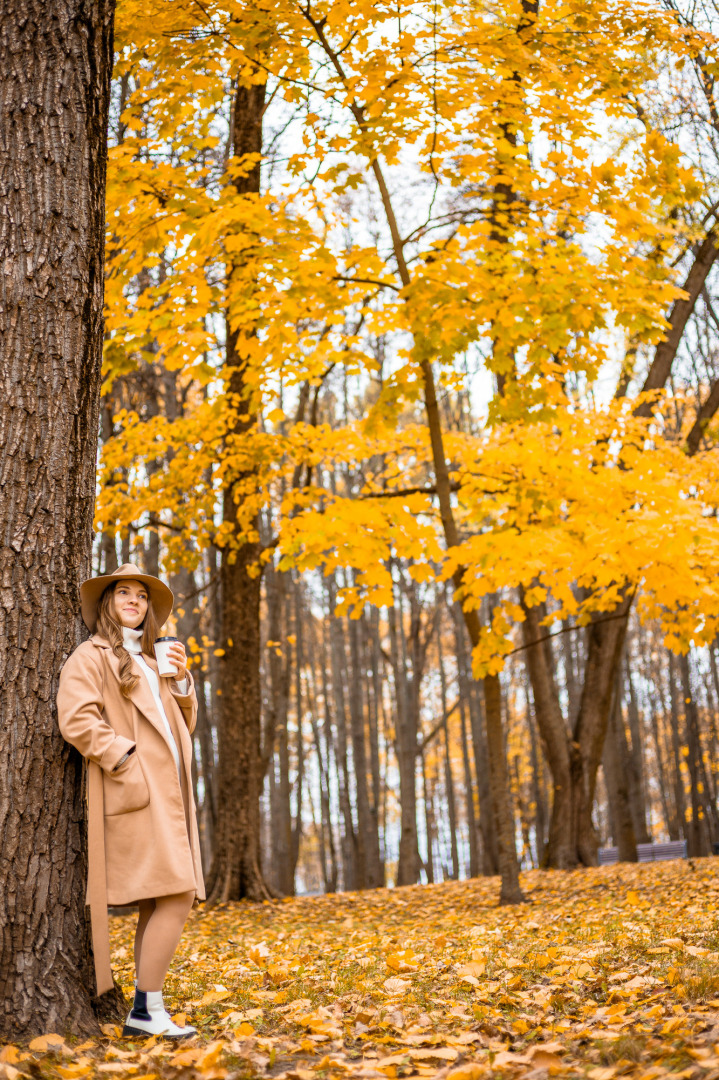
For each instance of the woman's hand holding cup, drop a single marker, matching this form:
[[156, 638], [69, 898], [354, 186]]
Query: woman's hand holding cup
[[171, 658]]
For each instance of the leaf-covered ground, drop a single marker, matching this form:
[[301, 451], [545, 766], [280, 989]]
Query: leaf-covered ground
[[603, 973]]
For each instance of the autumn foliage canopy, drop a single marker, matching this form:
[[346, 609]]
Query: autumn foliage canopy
[[474, 185]]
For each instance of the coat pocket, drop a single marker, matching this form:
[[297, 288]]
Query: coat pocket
[[126, 789]]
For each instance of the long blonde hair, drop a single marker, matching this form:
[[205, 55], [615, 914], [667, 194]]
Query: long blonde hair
[[109, 628]]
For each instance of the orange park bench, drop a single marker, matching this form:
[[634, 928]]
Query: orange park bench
[[672, 849]]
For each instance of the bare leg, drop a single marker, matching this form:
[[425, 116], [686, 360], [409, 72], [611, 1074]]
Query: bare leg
[[160, 938], [146, 908]]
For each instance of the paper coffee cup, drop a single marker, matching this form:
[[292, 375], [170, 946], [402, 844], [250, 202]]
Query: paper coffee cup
[[164, 666]]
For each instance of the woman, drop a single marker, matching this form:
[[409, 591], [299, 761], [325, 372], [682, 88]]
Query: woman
[[134, 728]]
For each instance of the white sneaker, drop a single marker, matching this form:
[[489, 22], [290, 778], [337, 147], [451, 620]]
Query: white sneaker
[[149, 1016]]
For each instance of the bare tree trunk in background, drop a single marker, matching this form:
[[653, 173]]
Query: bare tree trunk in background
[[540, 808], [367, 836], [679, 798], [468, 792], [615, 777], [470, 691], [448, 777], [203, 734], [55, 69], [406, 751], [699, 838], [429, 820], [296, 833], [278, 690], [326, 839], [635, 760], [236, 871], [669, 814], [351, 873], [374, 659]]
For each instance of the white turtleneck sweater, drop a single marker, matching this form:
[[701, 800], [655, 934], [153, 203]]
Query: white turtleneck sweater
[[131, 641]]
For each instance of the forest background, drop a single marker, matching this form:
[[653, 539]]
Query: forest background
[[410, 381]]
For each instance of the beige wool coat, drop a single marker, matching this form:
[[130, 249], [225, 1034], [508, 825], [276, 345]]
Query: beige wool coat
[[142, 831]]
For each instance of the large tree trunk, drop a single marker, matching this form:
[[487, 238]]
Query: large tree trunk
[[55, 68], [236, 872]]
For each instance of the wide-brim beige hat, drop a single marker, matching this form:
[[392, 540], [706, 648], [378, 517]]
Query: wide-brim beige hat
[[92, 589]]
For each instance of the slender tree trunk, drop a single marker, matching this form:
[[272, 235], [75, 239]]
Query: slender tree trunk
[[299, 712], [679, 797], [668, 810], [406, 750], [448, 778], [352, 874], [55, 68], [376, 871], [327, 846], [615, 778], [282, 813], [712, 704], [203, 733], [278, 663], [236, 870], [635, 760], [367, 839], [429, 821], [540, 815], [470, 691], [699, 836], [469, 795]]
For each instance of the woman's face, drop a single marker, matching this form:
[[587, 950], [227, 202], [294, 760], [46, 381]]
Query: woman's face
[[130, 599]]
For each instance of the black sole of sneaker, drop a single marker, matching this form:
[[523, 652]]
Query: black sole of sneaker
[[133, 1032]]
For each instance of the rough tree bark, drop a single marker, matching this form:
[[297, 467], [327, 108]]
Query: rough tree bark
[[236, 871], [55, 69]]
